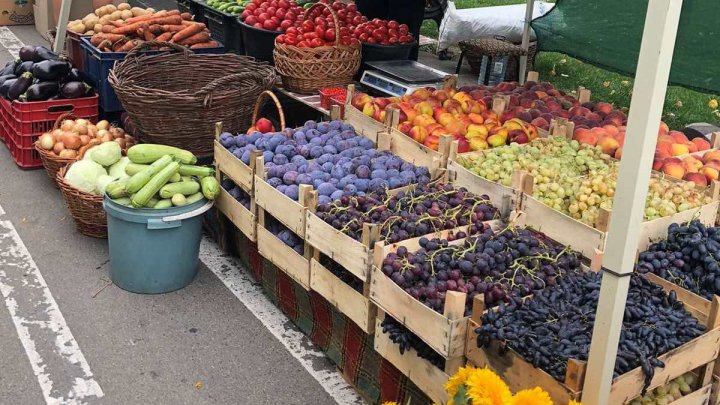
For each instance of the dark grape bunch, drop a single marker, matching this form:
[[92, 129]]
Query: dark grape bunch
[[423, 210], [513, 262], [237, 192], [287, 236], [689, 257], [556, 325], [343, 274], [407, 340]]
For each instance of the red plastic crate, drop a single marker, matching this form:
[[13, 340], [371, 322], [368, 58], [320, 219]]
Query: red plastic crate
[[25, 158], [327, 93]]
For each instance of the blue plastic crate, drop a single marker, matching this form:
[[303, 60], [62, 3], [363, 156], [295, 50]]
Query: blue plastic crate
[[98, 65]]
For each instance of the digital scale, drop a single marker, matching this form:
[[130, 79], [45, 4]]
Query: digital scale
[[400, 77]]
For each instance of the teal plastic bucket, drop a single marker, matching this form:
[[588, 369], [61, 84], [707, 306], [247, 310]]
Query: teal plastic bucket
[[154, 251]]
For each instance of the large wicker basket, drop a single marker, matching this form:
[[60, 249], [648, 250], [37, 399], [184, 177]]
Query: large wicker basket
[[85, 208], [176, 98], [307, 70]]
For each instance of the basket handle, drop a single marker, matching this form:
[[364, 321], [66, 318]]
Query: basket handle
[[63, 117], [206, 91], [334, 16], [144, 46], [269, 94]]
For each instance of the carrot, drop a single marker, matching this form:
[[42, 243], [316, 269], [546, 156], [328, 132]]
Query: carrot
[[186, 23], [105, 45], [188, 31], [108, 28], [200, 37], [97, 39], [209, 44], [174, 12], [146, 17], [130, 28], [116, 23], [186, 16], [156, 29], [147, 34], [172, 28], [129, 45], [164, 37]]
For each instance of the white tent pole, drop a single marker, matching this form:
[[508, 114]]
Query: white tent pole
[[651, 78], [526, 40], [59, 44]]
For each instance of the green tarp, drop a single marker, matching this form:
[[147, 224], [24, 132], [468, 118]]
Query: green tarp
[[607, 33]]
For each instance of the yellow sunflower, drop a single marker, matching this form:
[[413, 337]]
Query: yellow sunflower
[[486, 388], [535, 396], [458, 379]]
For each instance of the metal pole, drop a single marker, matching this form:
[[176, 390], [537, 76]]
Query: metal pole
[[62, 26], [526, 40], [651, 78]]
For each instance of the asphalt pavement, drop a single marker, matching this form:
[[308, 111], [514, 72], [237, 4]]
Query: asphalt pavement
[[69, 336]]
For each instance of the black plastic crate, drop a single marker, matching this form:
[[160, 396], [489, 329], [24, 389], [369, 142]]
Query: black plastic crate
[[192, 7], [225, 29]]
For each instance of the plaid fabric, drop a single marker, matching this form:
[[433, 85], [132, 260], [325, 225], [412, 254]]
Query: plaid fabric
[[341, 339]]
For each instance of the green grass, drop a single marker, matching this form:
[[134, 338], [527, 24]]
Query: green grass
[[682, 106]]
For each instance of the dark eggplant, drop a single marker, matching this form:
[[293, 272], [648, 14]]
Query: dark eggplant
[[75, 90], [42, 91], [26, 53], [51, 69], [8, 69], [75, 75], [20, 86], [3, 78], [23, 67], [41, 53], [6, 86]]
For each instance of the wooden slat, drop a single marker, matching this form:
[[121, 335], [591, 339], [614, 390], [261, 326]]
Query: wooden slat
[[443, 335], [699, 397], [240, 173], [343, 297], [244, 219], [349, 253], [462, 177], [657, 229], [285, 258], [425, 375], [277, 204], [411, 151]]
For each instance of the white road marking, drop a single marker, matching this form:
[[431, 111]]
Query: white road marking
[[60, 367], [10, 41], [230, 272]]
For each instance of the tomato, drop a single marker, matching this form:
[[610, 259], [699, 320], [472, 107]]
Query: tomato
[[363, 37], [257, 25], [302, 44], [404, 39], [330, 35], [309, 36], [379, 35], [344, 31], [392, 40], [270, 25], [393, 24], [392, 32], [371, 40], [280, 39], [262, 17], [258, 11], [352, 7], [251, 7], [245, 14], [257, 2], [319, 20], [291, 31], [320, 31], [290, 16], [251, 20], [363, 19], [291, 40], [285, 24], [283, 4], [271, 10], [308, 26], [274, 3], [357, 20], [337, 6], [317, 42], [275, 20]]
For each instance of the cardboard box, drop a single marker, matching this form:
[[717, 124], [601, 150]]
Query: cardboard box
[[16, 12]]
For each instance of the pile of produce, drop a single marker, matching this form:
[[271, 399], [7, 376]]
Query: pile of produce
[[93, 22], [101, 165], [164, 26], [688, 258], [237, 193], [409, 214], [272, 15], [556, 325], [75, 137], [700, 168], [514, 262], [672, 391], [232, 7], [40, 75], [427, 114], [310, 141], [160, 177], [407, 340]]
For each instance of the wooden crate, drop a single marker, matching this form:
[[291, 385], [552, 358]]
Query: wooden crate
[[426, 376], [501, 196], [244, 219], [410, 151], [700, 353], [355, 305], [364, 125], [240, 173], [295, 265]]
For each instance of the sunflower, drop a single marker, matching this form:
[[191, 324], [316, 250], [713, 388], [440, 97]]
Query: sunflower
[[535, 396], [458, 379], [486, 388]]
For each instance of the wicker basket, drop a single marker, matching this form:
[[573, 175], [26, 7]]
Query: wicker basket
[[176, 98], [52, 162], [86, 209], [307, 70], [474, 50], [259, 104]]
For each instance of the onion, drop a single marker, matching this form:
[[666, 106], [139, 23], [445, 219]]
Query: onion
[[84, 139], [121, 142], [102, 133], [81, 129], [57, 133], [116, 132], [106, 138], [67, 125], [72, 141], [68, 154], [47, 141], [81, 121], [104, 124], [59, 147], [92, 130]]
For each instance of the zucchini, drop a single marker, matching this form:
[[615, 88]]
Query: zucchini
[[179, 200], [151, 204], [187, 178], [194, 198], [117, 189], [156, 182], [183, 187], [122, 201], [175, 178], [133, 168], [210, 187], [148, 153], [163, 204], [138, 180], [199, 171]]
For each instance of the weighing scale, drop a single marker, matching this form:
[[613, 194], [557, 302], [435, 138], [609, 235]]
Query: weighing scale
[[400, 77]]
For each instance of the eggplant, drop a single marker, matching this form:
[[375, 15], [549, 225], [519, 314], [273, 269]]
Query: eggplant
[[6, 86], [20, 86], [75, 75], [51, 69], [23, 67], [8, 69], [3, 78], [42, 91], [75, 90], [26, 53], [41, 53]]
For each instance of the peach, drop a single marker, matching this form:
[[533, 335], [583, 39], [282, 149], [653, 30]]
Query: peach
[[711, 173], [662, 154], [473, 107], [455, 127], [423, 120], [477, 129], [540, 122], [711, 155], [613, 120], [369, 109], [678, 136], [701, 143], [496, 140], [657, 163], [692, 147], [379, 115], [673, 167], [452, 105], [360, 99], [518, 136], [407, 110], [604, 108], [618, 153], [445, 118], [608, 145], [664, 130], [437, 111], [611, 130], [440, 95], [478, 144], [514, 123], [432, 141], [678, 149], [696, 178], [692, 164], [490, 114], [424, 108], [418, 133], [476, 118], [421, 94], [462, 97], [506, 116], [463, 145], [666, 139], [405, 127]]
